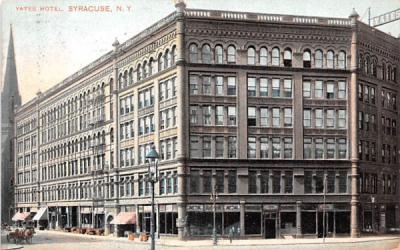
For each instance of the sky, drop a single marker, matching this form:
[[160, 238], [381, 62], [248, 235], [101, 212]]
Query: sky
[[53, 39]]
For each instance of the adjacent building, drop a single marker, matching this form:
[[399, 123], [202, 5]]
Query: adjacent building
[[285, 117]]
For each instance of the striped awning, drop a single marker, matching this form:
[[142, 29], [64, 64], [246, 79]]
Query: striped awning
[[41, 214], [21, 216], [124, 218]]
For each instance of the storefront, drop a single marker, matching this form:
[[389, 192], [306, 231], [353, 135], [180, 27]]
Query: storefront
[[167, 219]]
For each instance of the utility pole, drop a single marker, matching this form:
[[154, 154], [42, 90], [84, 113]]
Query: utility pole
[[213, 199]]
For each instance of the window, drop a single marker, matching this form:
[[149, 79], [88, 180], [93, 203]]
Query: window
[[307, 148], [231, 85], [307, 118], [219, 54], [263, 87], [252, 182], [193, 115], [264, 147], [194, 89], [287, 117], [232, 181], [264, 117], [319, 148], [342, 182], [251, 56], [287, 58], [219, 115], [288, 182], [318, 89], [275, 57], [206, 115], [342, 60], [276, 182], [195, 147], [207, 181], [319, 118], [219, 85], [251, 116], [307, 59], [231, 147], [206, 146], [330, 149], [206, 53], [330, 118], [308, 182], [251, 147], [276, 117], [330, 91], [307, 89], [231, 54], [276, 147], [263, 56], [342, 90], [319, 182], [318, 59], [287, 148], [231, 116], [330, 59], [366, 93], [192, 54], [206, 85], [251, 86], [264, 179], [219, 181], [194, 181], [276, 91], [219, 147], [287, 87]]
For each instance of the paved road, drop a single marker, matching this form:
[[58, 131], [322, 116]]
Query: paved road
[[60, 241]]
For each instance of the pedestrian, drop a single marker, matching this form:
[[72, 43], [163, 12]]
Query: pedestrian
[[231, 232], [238, 232]]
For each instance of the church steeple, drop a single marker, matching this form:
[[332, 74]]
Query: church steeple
[[10, 93]]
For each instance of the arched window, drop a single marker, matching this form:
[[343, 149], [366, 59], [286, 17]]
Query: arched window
[[394, 73], [151, 66], [120, 83], [307, 59], [125, 78], [219, 54], [366, 65], [287, 57], [167, 59], [193, 53], [389, 69], [144, 69], [160, 62], [342, 60], [231, 54], [130, 76], [373, 67], [383, 71], [318, 59], [173, 55], [251, 56], [263, 56], [330, 59], [275, 57], [139, 72], [206, 53]]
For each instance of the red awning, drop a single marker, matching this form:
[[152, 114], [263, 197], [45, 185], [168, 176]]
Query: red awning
[[124, 218], [21, 216]]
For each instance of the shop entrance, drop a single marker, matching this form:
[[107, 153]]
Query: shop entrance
[[270, 228]]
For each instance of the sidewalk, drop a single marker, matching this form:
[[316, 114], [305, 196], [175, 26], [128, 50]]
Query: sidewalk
[[173, 242], [8, 246]]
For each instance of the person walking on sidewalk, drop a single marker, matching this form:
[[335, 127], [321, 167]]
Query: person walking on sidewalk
[[231, 233]]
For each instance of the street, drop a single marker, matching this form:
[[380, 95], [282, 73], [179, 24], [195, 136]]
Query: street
[[68, 241]]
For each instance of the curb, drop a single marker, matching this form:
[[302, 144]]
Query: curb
[[11, 247]]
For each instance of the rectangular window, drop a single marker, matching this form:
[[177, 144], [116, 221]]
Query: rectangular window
[[276, 90], [263, 87], [220, 180], [207, 115], [288, 117], [194, 88], [264, 147], [288, 182], [330, 118], [251, 86], [219, 85], [251, 116], [195, 147], [342, 182], [330, 91], [307, 89], [287, 148], [372, 95], [276, 117], [366, 93], [342, 149], [251, 147], [318, 89], [231, 85], [231, 116], [206, 85], [319, 148], [206, 146], [264, 117], [252, 182], [307, 148], [231, 147], [307, 118], [308, 182], [276, 182], [219, 147], [207, 181], [194, 181], [193, 116], [319, 182], [319, 118], [276, 147], [287, 87], [330, 185], [342, 90], [264, 180], [219, 115], [342, 118], [232, 177], [330, 149]]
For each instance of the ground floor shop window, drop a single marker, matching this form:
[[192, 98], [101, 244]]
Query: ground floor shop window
[[288, 223], [86, 218], [231, 220], [308, 223], [167, 224], [201, 223], [342, 220], [252, 223]]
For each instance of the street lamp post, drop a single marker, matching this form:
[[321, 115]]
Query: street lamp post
[[152, 177], [213, 199], [323, 213]]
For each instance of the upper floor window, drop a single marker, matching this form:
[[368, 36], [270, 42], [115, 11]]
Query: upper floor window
[[330, 59], [342, 60], [160, 62], [318, 59], [263, 56], [307, 59], [193, 53], [275, 56], [219, 54], [206, 53], [251, 56], [231, 54], [287, 58]]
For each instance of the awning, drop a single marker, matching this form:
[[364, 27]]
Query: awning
[[41, 214], [124, 218], [21, 216]]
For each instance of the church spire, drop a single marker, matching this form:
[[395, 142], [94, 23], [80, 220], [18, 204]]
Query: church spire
[[10, 84]]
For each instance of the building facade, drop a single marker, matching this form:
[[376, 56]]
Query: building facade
[[278, 114]]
